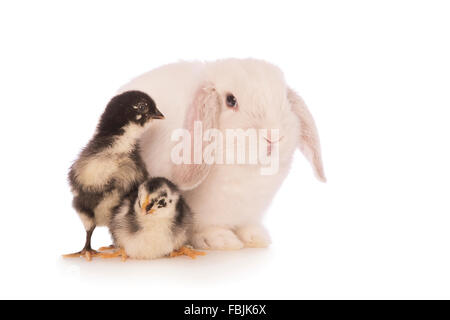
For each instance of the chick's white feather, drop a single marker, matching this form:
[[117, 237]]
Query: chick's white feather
[[153, 240], [156, 236], [111, 163]]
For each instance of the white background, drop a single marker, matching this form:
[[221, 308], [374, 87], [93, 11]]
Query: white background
[[376, 76]]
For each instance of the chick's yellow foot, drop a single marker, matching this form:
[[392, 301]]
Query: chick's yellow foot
[[118, 253], [86, 253], [110, 247], [186, 251]]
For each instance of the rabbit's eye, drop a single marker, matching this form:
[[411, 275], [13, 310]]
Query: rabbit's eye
[[231, 101]]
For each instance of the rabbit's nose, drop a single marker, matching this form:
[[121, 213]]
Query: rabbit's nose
[[270, 141], [272, 135], [269, 144]]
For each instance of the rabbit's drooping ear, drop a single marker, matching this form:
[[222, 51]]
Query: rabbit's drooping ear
[[205, 107], [309, 138]]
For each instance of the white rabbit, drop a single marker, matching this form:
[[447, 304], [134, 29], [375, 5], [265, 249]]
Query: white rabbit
[[228, 199]]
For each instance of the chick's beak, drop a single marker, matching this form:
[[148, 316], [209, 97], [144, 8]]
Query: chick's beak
[[146, 207], [157, 115]]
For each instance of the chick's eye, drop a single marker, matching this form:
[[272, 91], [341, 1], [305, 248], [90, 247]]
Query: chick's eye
[[162, 202], [142, 108], [231, 101]]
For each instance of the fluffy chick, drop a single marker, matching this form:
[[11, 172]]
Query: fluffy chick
[[110, 166], [152, 222]]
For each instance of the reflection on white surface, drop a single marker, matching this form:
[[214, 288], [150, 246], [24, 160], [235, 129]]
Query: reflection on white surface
[[202, 270], [180, 277]]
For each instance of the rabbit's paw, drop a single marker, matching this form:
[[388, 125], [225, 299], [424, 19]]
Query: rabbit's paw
[[254, 236], [216, 238]]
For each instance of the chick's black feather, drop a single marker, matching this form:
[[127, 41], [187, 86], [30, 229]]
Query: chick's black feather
[[129, 108]]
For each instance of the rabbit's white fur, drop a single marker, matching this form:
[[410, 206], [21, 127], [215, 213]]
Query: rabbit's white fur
[[228, 200]]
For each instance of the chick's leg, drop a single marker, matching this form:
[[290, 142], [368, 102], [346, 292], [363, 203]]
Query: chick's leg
[[186, 251], [87, 251]]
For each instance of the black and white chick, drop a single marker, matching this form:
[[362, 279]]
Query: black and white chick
[[152, 222], [110, 166]]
